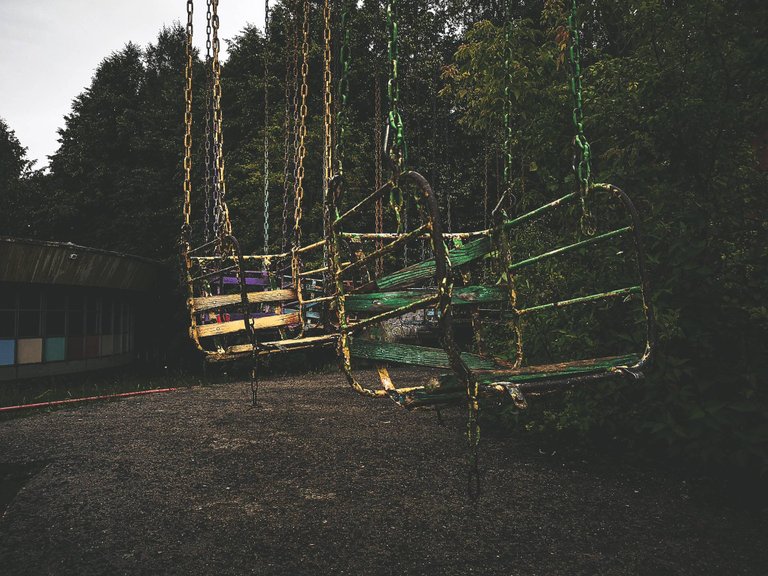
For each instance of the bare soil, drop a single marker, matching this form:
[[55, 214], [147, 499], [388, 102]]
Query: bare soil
[[317, 480]]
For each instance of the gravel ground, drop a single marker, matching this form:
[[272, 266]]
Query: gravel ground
[[318, 480]]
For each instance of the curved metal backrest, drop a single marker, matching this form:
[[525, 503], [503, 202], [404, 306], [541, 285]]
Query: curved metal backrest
[[633, 229], [441, 272]]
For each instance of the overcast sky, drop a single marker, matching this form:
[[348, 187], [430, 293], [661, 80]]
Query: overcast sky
[[51, 48]]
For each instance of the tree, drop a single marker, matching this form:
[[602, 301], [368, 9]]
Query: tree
[[20, 188], [117, 172]]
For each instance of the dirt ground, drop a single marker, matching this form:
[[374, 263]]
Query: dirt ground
[[318, 480]]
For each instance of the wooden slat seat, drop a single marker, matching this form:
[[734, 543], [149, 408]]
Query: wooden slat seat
[[285, 345], [416, 355], [383, 301], [272, 321], [423, 270], [446, 388], [558, 371], [210, 302], [288, 345]]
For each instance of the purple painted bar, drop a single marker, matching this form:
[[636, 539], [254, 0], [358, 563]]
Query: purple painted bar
[[229, 280], [238, 316], [252, 278]]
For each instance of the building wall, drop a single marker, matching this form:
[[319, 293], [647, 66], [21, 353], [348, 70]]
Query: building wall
[[53, 329]]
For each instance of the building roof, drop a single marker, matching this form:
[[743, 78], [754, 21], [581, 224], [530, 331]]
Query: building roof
[[64, 263]]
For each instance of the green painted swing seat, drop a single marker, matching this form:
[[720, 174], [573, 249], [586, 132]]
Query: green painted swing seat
[[390, 295], [384, 301], [446, 388], [493, 375]]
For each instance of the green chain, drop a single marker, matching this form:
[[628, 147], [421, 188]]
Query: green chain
[[584, 166], [345, 58], [395, 143], [508, 104]]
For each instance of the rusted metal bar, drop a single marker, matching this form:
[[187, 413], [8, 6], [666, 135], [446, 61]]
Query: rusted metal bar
[[402, 239], [246, 257], [650, 323], [423, 303], [591, 298], [539, 211], [202, 247], [311, 272], [215, 273], [321, 299], [370, 198], [393, 235], [570, 248], [309, 247]]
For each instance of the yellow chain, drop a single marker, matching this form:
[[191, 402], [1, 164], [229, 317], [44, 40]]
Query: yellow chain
[[188, 122], [217, 119], [327, 97], [302, 152]]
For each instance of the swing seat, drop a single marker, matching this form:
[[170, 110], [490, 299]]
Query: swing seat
[[385, 301], [367, 307], [541, 378], [219, 325], [495, 376], [274, 346]]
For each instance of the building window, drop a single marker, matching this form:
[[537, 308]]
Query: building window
[[55, 324]]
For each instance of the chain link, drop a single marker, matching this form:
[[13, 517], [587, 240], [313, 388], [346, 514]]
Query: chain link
[[583, 162], [448, 216], [405, 231], [508, 56], [208, 120], [345, 58], [485, 188], [327, 133], [224, 226], [395, 143], [266, 127], [301, 152], [188, 125], [378, 143], [291, 71], [327, 99], [296, 110]]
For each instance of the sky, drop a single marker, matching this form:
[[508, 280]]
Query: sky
[[51, 49]]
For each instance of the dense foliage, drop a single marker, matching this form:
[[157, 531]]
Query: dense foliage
[[675, 101]]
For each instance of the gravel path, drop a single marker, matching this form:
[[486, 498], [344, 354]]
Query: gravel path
[[320, 481]]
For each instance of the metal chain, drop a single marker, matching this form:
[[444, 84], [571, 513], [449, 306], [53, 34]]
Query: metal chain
[[208, 97], [508, 56], [327, 99], [266, 126], [485, 188], [188, 125], [378, 143], [301, 152], [327, 133], [291, 71], [345, 57], [296, 112], [395, 144], [583, 161], [448, 216], [225, 226], [405, 231]]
